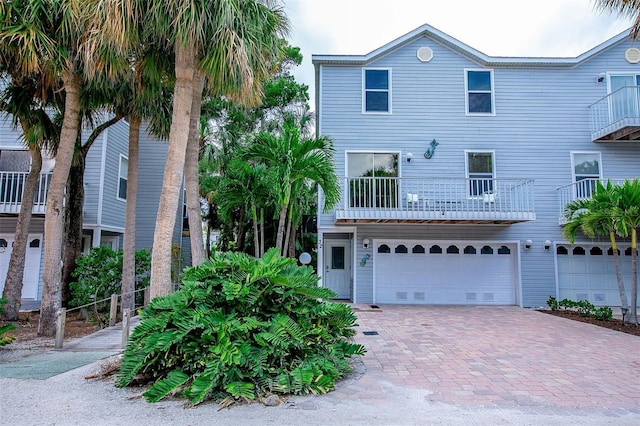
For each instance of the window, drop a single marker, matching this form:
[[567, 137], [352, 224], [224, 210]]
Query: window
[[586, 171], [435, 249], [373, 179], [453, 250], [480, 172], [623, 97], [418, 249], [122, 178], [486, 250], [401, 249], [384, 249], [479, 92], [376, 96], [469, 250]]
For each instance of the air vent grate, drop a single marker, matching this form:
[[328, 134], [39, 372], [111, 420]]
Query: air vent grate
[[632, 55], [425, 54]]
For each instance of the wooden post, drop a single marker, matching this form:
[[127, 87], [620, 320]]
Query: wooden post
[[61, 320], [126, 316], [113, 312], [147, 296]]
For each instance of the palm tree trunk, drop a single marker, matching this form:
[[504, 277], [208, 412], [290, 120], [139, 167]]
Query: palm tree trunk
[[15, 272], [173, 172], [285, 249], [281, 224], [54, 218], [73, 224], [191, 174], [616, 262], [129, 252], [634, 278], [256, 238], [261, 232], [292, 242]]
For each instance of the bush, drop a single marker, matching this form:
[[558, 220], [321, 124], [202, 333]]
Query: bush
[[582, 307], [241, 328], [4, 339], [99, 274]]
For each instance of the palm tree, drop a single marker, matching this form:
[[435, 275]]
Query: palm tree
[[626, 8], [296, 158], [627, 220], [596, 216], [233, 43]]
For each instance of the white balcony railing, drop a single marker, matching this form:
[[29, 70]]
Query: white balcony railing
[[436, 200], [618, 110], [11, 187], [580, 190]]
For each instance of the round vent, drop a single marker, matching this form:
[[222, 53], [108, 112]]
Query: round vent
[[425, 54], [632, 55]]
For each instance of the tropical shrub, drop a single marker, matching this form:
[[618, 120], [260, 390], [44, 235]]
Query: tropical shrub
[[240, 328], [99, 274], [4, 339], [583, 307]]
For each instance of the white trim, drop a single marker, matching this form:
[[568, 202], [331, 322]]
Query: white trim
[[555, 265], [120, 158], [389, 90], [573, 165], [466, 93]]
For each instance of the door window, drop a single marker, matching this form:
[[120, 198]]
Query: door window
[[373, 179], [586, 171], [337, 258]]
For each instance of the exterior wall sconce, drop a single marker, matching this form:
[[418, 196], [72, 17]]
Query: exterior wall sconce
[[365, 243], [601, 77], [431, 150], [409, 157], [547, 245], [366, 257], [528, 244]]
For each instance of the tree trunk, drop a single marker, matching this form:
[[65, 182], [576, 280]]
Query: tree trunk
[[191, 174], [129, 252], [15, 272], [256, 242], [73, 225], [634, 278], [261, 232], [242, 229], [287, 236], [616, 262], [173, 172], [54, 217], [281, 223], [292, 242]]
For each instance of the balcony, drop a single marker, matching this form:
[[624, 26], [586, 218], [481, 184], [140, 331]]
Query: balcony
[[578, 191], [11, 186], [616, 117], [413, 200]]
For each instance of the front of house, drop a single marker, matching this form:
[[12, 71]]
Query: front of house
[[456, 166]]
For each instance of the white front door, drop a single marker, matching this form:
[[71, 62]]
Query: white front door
[[31, 264], [337, 267]]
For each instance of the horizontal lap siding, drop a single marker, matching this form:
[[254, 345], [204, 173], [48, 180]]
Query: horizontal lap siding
[[113, 209], [541, 116]]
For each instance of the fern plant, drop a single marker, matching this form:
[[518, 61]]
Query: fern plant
[[4, 338], [241, 328]]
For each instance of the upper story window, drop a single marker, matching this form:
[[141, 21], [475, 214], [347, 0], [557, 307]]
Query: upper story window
[[479, 95], [15, 161], [624, 95], [373, 179], [122, 178], [376, 93], [480, 172], [586, 170]]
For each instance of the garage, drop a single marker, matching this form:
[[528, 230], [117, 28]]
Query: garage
[[587, 272], [31, 267], [445, 272]]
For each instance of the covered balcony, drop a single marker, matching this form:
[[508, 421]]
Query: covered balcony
[[616, 117], [435, 200], [578, 191], [11, 186]]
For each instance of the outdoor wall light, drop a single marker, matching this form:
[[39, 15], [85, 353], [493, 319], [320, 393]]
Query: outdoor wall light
[[365, 243], [547, 245], [409, 157], [601, 77], [528, 244]]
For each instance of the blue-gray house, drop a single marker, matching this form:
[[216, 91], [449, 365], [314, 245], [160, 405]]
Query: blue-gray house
[[455, 168], [105, 183]]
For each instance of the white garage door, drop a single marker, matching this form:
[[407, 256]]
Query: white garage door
[[444, 272], [587, 272], [31, 267]]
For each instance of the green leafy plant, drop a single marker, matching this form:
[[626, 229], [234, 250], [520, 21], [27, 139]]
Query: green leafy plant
[[552, 303], [99, 274], [4, 338], [240, 328], [582, 307]]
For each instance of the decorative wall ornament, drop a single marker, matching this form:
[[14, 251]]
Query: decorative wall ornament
[[431, 150]]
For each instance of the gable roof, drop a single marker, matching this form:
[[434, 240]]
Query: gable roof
[[467, 51]]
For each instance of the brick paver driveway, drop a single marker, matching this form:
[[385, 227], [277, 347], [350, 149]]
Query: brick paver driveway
[[504, 357]]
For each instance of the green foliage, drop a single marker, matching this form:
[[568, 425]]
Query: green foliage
[[241, 328], [4, 339], [99, 274], [583, 307]]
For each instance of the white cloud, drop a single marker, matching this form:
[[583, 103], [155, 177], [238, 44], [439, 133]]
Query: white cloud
[[564, 28]]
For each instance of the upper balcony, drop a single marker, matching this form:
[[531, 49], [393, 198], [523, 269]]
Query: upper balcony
[[438, 200], [11, 186], [578, 191], [616, 117]]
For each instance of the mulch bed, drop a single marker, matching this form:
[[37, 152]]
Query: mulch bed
[[612, 324]]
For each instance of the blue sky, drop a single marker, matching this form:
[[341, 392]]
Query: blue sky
[[560, 28]]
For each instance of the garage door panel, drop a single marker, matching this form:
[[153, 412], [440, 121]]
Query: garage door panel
[[444, 278]]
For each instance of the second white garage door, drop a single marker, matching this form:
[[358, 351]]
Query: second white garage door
[[444, 272]]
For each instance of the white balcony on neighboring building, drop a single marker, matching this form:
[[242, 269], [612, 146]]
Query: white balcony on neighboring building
[[435, 200], [616, 117], [580, 190], [11, 187]]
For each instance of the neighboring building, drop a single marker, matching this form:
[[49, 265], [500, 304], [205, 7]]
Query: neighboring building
[[105, 184], [476, 216]]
